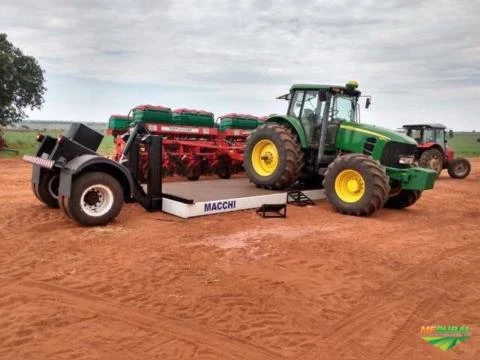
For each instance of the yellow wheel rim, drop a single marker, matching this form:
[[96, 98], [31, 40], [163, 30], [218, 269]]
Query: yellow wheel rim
[[265, 157], [349, 186]]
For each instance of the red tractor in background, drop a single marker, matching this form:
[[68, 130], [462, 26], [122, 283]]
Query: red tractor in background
[[433, 152]]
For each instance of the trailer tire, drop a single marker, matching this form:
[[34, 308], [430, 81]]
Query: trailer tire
[[459, 168], [96, 199], [47, 189]]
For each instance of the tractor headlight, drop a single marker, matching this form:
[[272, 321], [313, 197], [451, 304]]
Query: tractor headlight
[[406, 160]]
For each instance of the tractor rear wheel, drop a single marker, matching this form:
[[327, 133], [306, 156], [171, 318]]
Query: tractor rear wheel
[[273, 157], [432, 159], [96, 199], [355, 184], [459, 168], [403, 199], [47, 189]]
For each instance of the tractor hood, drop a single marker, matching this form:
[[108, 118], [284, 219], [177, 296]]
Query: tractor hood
[[378, 131]]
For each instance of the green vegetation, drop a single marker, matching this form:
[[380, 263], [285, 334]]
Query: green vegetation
[[465, 144], [24, 142], [22, 82]]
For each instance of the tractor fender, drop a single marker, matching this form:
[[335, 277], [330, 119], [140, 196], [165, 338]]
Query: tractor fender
[[450, 154], [293, 124], [87, 163]]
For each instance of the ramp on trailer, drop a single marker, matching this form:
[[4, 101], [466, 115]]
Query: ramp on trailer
[[218, 196]]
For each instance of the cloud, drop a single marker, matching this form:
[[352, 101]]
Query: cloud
[[253, 48]]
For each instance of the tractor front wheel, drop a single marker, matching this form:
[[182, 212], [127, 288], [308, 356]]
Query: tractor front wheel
[[459, 168], [402, 199], [96, 199], [355, 184], [273, 158], [432, 159]]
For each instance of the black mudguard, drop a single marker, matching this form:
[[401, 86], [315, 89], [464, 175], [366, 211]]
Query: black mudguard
[[95, 163]]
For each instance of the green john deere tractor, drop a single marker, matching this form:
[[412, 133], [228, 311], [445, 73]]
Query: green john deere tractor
[[363, 167]]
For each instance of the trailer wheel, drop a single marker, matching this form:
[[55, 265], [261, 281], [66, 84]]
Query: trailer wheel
[[459, 168], [47, 189], [96, 199], [402, 199]]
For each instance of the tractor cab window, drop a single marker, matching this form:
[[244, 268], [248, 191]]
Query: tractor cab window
[[296, 104], [312, 113], [440, 136], [343, 108], [415, 134], [429, 135]]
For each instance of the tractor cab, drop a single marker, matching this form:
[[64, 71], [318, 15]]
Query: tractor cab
[[313, 105], [426, 135]]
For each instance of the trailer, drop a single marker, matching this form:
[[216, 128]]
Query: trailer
[[91, 189]]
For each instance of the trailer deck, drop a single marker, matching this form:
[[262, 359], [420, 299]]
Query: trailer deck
[[218, 196]]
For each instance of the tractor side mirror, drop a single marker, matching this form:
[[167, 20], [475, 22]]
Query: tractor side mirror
[[368, 103]]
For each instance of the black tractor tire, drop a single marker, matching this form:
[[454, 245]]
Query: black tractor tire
[[290, 157], [403, 199], [96, 199], [375, 184], [47, 189], [459, 168], [432, 159]]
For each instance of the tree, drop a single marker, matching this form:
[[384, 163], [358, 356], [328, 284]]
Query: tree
[[22, 83]]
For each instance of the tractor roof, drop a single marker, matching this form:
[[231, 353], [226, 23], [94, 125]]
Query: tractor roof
[[316, 87], [421, 126], [349, 88]]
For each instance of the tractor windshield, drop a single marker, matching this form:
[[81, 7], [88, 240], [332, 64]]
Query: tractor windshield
[[343, 108]]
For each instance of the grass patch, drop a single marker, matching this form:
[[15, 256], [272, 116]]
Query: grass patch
[[465, 144], [24, 142]]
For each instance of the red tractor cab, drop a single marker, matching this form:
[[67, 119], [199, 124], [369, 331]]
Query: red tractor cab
[[433, 152]]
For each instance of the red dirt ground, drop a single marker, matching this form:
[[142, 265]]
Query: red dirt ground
[[317, 285]]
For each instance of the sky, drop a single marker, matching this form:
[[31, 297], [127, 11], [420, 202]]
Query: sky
[[419, 60]]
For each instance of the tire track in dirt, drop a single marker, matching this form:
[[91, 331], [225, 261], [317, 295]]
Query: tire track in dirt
[[425, 310], [373, 305], [237, 349]]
